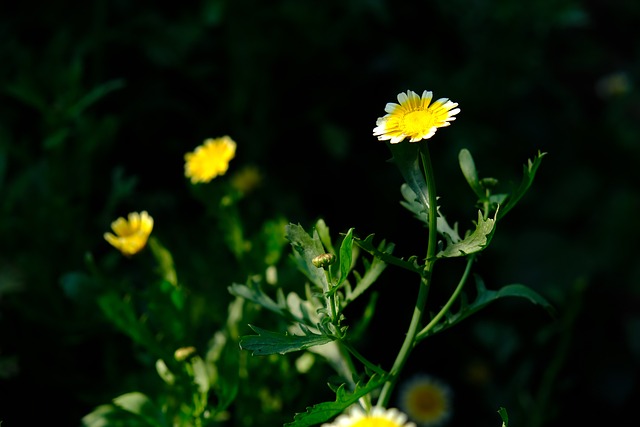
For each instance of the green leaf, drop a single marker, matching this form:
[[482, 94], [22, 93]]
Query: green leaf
[[166, 268], [306, 248], [407, 158], [323, 233], [483, 298], [112, 416], [120, 311], [94, 95], [317, 414], [474, 242], [267, 342], [140, 405], [468, 168], [412, 204], [57, 138], [253, 292], [384, 253], [372, 272], [346, 256], [505, 417], [528, 173]]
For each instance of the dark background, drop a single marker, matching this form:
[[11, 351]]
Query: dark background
[[298, 84]]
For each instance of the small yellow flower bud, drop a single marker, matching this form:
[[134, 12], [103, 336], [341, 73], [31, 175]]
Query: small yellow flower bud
[[183, 353], [324, 260]]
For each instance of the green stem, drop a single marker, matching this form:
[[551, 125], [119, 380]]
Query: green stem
[[425, 331], [425, 280], [362, 359]]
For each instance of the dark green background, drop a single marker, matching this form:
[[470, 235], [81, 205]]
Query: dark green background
[[299, 84]]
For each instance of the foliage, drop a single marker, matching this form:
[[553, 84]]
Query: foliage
[[100, 101]]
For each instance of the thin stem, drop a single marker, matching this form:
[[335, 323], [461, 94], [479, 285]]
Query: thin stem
[[425, 280], [425, 331], [362, 359]]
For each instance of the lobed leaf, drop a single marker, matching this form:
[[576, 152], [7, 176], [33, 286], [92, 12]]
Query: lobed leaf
[[474, 242], [412, 204], [528, 173], [318, 414], [483, 298]]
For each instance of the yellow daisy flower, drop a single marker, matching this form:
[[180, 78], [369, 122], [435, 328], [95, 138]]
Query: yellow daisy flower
[[425, 400], [132, 235], [415, 117], [378, 417], [209, 159]]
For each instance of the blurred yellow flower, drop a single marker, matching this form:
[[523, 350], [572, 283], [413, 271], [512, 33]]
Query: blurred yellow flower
[[132, 235], [209, 159], [378, 417], [425, 400], [414, 118]]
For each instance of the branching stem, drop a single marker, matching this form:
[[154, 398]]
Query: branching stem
[[425, 280]]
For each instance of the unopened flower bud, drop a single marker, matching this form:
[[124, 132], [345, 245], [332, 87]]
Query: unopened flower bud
[[184, 353], [488, 182], [324, 260]]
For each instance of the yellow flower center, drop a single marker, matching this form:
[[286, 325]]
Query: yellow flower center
[[375, 422], [418, 122]]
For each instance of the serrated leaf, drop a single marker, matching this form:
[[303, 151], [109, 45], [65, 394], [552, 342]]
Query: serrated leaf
[[267, 342], [528, 173], [318, 414], [483, 298], [474, 242]]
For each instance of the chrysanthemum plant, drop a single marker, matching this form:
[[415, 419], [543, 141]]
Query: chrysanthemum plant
[[340, 272]]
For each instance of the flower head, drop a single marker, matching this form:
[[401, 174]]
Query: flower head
[[378, 417], [425, 400], [132, 235], [209, 159], [415, 117]]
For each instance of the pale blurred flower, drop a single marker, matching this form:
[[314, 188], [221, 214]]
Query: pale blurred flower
[[613, 84], [425, 400]]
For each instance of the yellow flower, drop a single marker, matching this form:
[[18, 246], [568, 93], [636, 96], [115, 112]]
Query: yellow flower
[[378, 417], [414, 118], [132, 235], [209, 159], [425, 400]]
